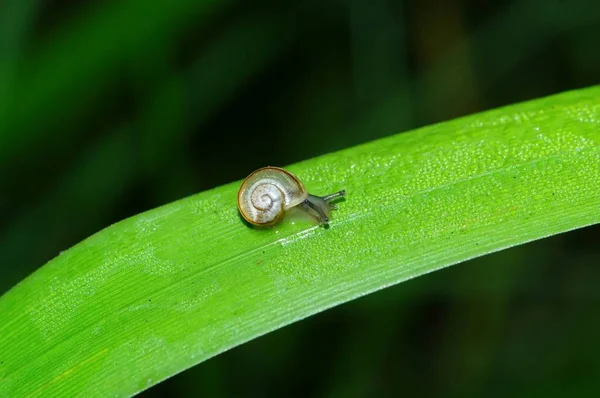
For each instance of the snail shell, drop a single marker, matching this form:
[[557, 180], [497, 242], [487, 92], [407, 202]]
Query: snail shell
[[267, 194]]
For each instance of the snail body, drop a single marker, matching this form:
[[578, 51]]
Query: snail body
[[267, 194]]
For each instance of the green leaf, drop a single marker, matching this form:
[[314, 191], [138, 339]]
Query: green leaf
[[162, 291]]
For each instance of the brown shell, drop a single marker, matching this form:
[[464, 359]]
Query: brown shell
[[267, 193]]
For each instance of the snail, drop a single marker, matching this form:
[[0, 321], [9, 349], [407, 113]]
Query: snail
[[267, 194]]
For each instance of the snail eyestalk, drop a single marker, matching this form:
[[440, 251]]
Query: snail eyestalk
[[333, 196]]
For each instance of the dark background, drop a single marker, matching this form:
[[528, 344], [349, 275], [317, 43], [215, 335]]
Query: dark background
[[110, 108]]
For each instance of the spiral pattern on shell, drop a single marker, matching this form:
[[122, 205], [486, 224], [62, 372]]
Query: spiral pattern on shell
[[267, 193]]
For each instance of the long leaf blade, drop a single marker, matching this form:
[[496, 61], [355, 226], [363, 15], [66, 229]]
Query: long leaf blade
[[162, 291]]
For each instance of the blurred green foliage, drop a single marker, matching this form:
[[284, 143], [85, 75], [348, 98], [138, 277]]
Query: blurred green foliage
[[109, 108]]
